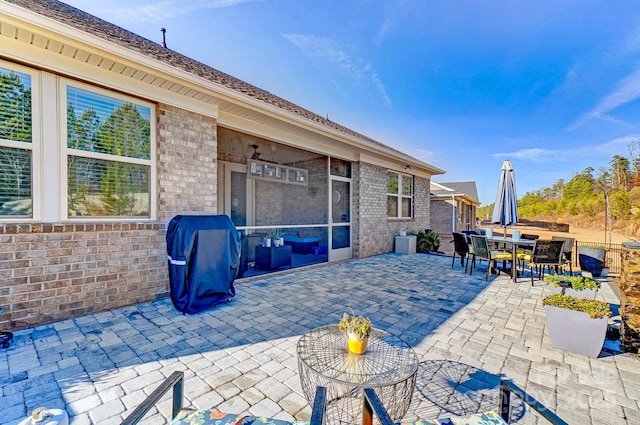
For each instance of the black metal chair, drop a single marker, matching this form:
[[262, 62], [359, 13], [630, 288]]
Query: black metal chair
[[460, 247], [373, 405], [175, 382], [481, 251], [546, 253], [567, 251]]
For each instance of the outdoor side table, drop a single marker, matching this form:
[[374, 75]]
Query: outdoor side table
[[271, 257], [389, 367], [406, 244]]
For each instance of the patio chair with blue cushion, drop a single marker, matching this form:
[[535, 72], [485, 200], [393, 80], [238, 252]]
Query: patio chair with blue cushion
[[372, 405], [481, 251], [182, 416]]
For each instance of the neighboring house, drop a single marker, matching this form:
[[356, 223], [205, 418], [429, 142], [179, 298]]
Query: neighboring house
[[105, 136], [453, 208]]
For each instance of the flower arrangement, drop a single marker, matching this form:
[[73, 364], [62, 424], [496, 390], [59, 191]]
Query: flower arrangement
[[359, 326]]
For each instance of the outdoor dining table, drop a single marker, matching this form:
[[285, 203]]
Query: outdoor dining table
[[513, 244], [389, 367]]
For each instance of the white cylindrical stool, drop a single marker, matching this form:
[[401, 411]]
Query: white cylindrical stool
[[52, 417]]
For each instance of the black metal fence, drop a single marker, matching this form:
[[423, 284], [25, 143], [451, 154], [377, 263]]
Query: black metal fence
[[613, 258]]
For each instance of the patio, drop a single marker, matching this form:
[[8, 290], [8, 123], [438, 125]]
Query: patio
[[241, 356]]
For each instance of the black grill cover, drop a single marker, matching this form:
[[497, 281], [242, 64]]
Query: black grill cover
[[204, 256]]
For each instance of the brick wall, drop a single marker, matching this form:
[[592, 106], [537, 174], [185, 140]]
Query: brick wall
[[422, 207], [278, 203], [374, 231], [51, 272], [441, 216], [187, 163]]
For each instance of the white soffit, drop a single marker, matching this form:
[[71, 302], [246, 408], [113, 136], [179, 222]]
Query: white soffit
[[37, 40]]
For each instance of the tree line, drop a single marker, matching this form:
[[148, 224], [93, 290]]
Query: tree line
[[614, 190]]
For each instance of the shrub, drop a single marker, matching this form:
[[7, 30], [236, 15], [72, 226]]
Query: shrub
[[427, 241]]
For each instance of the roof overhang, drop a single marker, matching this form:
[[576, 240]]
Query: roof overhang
[[37, 40], [455, 195]]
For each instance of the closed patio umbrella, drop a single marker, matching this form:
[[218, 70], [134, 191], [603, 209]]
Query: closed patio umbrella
[[505, 209]]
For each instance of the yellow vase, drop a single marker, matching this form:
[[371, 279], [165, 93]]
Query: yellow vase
[[357, 346]]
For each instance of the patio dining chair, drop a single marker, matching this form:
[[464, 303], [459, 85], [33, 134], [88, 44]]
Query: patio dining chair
[[567, 251], [523, 250], [460, 247], [182, 416], [481, 251], [546, 254]]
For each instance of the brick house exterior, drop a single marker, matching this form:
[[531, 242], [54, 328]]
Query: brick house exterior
[[453, 209], [54, 266]]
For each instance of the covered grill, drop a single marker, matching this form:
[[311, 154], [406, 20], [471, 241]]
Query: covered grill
[[204, 259]]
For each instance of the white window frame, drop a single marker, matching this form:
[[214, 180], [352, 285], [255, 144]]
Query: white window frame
[[65, 152], [401, 196], [35, 146]]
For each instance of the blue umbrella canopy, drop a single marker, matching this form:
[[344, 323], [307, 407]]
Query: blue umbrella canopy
[[505, 209]]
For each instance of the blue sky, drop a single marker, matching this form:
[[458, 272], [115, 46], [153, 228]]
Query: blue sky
[[554, 86]]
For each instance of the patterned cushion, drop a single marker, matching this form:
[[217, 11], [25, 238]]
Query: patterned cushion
[[209, 417], [487, 418]]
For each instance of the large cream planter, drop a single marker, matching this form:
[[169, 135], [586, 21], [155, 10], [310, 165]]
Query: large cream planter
[[576, 331]]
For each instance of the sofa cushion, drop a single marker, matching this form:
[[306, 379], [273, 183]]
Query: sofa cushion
[[212, 417], [487, 418]]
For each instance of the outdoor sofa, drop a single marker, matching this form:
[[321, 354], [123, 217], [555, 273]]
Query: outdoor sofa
[[371, 405]]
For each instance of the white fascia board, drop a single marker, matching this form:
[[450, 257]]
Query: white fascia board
[[70, 68], [441, 187], [330, 148], [66, 66], [397, 165], [39, 24], [152, 66], [458, 196]]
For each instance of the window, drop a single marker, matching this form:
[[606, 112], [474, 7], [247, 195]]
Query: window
[[340, 168], [16, 145], [108, 155], [399, 195], [100, 155]]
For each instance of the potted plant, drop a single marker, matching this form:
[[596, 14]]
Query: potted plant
[[357, 329], [591, 258], [276, 235], [576, 286], [577, 325]]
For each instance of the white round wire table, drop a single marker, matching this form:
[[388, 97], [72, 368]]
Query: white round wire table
[[389, 367]]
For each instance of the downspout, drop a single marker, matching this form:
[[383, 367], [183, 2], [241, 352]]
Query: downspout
[[453, 213]]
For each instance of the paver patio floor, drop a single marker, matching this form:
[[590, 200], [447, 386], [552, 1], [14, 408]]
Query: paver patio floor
[[241, 356]]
